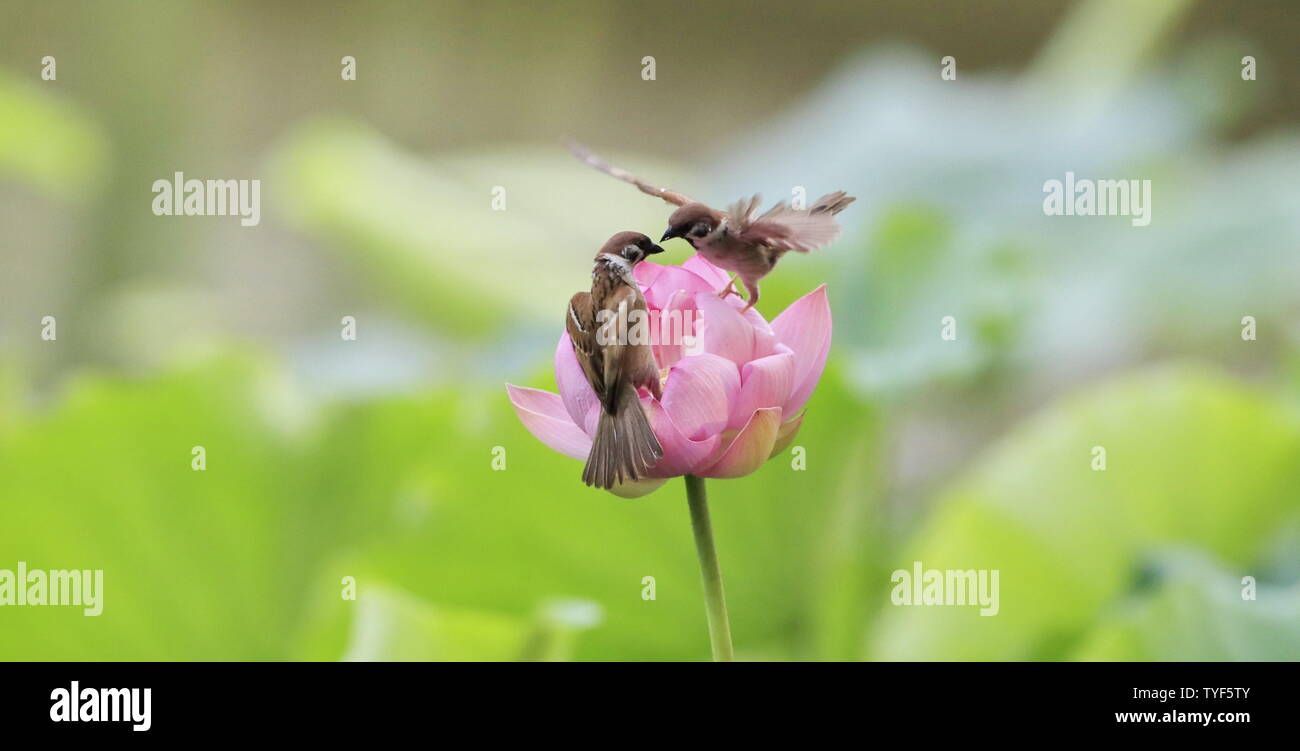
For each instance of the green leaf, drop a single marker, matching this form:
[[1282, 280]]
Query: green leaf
[[196, 564], [511, 541], [1197, 612], [391, 625], [245, 559], [1192, 459], [47, 141]]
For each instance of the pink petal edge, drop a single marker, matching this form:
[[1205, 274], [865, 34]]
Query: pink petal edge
[[786, 435], [578, 396], [700, 392], [543, 413], [725, 331], [681, 454], [765, 382], [639, 488], [805, 327], [750, 449]]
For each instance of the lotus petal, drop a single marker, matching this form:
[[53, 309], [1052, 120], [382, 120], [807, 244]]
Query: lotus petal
[[675, 328], [681, 454], [700, 392], [751, 447], [765, 382], [725, 332], [715, 277], [639, 488], [786, 435], [579, 398], [543, 413], [805, 327], [670, 279]]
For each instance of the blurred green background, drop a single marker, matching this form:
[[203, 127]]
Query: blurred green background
[[373, 458]]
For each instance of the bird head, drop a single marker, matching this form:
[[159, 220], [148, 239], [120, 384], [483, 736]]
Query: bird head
[[629, 247], [692, 222]]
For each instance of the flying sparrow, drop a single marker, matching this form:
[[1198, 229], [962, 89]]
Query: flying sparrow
[[739, 239], [624, 446]]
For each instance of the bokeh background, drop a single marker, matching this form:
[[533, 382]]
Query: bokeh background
[[373, 458]]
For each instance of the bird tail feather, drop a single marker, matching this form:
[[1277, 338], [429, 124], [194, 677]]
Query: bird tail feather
[[625, 446]]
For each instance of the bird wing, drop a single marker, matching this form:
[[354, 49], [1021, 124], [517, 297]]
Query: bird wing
[[787, 228], [832, 203], [590, 158], [580, 322], [615, 355], [741, 213]]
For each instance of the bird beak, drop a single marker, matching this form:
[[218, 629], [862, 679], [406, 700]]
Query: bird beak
[[655, 249], [669, 234]]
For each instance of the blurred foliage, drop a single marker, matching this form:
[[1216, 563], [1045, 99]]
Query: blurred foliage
[[1196, 612], [466, 242], [1191, 460], [47, 142], [452, 559], [966, 454]]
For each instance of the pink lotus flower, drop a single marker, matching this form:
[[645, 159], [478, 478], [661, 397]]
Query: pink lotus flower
[[732, 398]]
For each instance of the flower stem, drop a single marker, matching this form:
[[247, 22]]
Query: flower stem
[[715, 602]]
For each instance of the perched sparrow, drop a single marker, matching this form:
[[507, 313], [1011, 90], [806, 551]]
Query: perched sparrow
[[737, 239], [624, 446]]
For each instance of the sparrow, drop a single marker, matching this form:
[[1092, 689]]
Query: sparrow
[[624, 446], [739, 239]]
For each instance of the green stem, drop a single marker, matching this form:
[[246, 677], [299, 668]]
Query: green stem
[[715, 602]]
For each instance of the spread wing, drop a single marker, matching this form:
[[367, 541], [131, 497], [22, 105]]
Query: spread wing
[[581, 325], [741, 213], [787, 228], [589, 158]]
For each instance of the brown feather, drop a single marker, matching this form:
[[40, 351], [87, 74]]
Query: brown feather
[[832, 203], [624, 447], [590, 159], [786, 228]]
